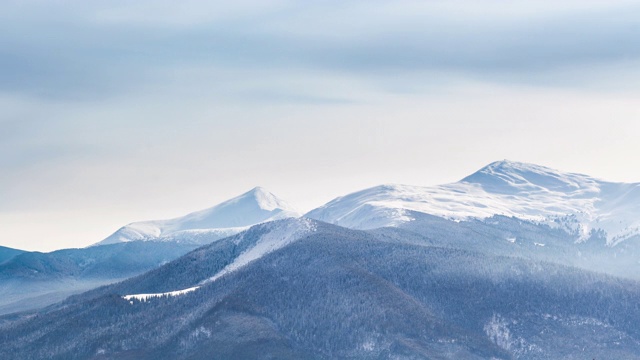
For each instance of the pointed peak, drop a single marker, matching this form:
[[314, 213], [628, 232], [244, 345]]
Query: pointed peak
[[252, 207], [263, 198], [258, 190]]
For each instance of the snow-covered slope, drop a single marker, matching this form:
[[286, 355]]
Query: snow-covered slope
[[271, 237], [277, 235], [228, 218], [575, 202]]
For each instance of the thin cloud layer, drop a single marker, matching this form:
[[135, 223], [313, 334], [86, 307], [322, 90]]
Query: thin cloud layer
[[90, 51], [120, 111]]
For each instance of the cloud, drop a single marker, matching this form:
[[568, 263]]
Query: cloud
[[173, 106], [95, 51]]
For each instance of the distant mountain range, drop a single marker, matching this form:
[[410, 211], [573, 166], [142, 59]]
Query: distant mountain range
[[513, 261], [7, 253]]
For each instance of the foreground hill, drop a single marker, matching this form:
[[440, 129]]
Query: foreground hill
[[312, 290]]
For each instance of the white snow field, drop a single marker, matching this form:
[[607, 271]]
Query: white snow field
[[575, 202]]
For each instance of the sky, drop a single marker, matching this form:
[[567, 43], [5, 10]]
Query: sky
[[120, 111]]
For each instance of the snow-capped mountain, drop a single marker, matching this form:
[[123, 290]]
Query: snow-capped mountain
[[301, 288], [577, 203], [228, 218]]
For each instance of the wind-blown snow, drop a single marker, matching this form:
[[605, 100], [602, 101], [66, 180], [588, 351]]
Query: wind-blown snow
[[228, 218], [578, 203]]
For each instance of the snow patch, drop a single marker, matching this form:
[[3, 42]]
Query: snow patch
[[368, 346], [145, 297], [497, 330]]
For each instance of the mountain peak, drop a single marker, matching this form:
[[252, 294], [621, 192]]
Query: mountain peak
[[263, 199], [253, 207], [258, 190], [510, 177], [574, 202], [509, 166]]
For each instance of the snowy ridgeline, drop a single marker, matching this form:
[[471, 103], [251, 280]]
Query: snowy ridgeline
[[228, 218], [576, 203], [579, 204]]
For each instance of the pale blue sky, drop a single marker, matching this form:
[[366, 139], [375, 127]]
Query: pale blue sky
[[113, 112]]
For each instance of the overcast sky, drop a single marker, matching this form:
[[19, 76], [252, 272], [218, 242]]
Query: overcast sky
[[119, 111]]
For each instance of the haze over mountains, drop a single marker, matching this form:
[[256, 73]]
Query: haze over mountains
[[514, 261]]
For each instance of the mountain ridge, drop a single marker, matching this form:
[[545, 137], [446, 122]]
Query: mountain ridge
[[6, 253], [579, 203]]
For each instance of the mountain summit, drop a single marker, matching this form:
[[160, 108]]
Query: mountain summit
[[232, 216], [510, 177], [577, 203]]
